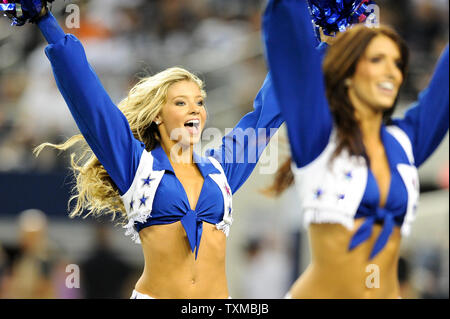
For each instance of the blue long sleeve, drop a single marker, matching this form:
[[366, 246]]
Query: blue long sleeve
[[107, 131], [296, 68], [243, 146], [102, 124], [50, 28], [427, 121]]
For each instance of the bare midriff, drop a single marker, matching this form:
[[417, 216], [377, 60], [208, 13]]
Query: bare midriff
[[335, 272], [171, 270]]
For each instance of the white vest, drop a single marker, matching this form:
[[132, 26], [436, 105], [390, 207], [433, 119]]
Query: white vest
[[139, 189], [331, 191]]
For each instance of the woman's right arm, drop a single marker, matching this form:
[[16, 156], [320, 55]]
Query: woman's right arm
[[296, 68], [102, 124]]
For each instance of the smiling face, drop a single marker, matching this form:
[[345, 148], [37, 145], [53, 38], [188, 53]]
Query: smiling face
[[183, 116], [378, 76]]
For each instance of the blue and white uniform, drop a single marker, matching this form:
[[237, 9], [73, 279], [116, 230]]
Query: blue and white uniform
[[347, 189], [146, 181]]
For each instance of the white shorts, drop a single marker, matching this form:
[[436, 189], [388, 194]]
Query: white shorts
[[138, 295]]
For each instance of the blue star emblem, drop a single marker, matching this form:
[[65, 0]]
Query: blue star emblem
[[147, 180], [349, 175], [341, 196], [142, 200], [318, 193]]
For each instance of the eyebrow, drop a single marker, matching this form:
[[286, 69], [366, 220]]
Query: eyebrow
[[186, 97], [383, 55]]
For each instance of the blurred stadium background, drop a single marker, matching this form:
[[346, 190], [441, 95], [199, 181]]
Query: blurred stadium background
[[221, 41]]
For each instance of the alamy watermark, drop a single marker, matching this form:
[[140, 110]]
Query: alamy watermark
[[373, 19], [237, 146], [73, 17], [73, 279], [373, 280]]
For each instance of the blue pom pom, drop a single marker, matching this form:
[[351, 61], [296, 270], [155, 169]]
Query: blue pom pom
[[23, 11], [7, 6], [338, 15]]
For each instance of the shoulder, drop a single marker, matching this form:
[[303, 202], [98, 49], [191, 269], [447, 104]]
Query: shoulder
[[403, 139]]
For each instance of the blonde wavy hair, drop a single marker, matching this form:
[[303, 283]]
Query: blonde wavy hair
[[94, 190]]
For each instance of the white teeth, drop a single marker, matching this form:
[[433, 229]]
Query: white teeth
[[194, 122], [386, 85]]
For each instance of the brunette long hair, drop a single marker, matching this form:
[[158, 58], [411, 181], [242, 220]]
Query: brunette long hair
[[339, 64]]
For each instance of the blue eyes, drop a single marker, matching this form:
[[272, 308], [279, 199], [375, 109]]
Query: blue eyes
[[181, 103]]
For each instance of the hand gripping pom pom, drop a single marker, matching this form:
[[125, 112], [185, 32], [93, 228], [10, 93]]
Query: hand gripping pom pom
[[337, 15], [23, 11]]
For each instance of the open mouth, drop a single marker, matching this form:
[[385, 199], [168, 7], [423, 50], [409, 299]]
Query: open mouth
[[386, 87], [193, 126]]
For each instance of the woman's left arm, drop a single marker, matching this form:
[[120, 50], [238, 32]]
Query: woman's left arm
[[426, 122], [243, 146]]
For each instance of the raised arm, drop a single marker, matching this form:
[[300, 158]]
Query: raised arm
[[296, 68], [426, 122], [243, 146], [102, 124]]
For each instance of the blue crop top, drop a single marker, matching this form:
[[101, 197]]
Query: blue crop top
[[107, 132], [209, 205], [170, 202], [299, 86]]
